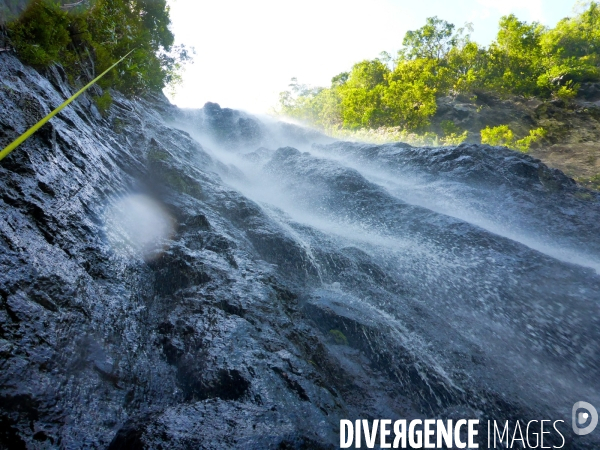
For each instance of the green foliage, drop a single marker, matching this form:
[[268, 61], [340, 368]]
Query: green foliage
[[103, 102], [41, 34], [409, 104], [513, 59], [46, 33], [370, 96], [318, 106], [501, 135], [504, 136], [12, 9], [384, 135], [449, 127], [340, 79], [361, 95], [534, 136], [432, 41], [454, 139], [576, 40], [452, 135], [118, 26], [367, 75], [338, 337], [567, 92], [526, 59]]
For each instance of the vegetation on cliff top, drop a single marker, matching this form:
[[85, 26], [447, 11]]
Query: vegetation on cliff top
[[95, 36], [438, 59]]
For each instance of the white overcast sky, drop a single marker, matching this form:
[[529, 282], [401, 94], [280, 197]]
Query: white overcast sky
[[248, 50]]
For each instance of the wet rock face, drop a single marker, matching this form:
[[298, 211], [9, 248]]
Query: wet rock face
[[229, 127], [103, 346], [260, 317]]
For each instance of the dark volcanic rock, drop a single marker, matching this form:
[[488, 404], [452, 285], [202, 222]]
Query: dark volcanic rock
[[229, 127], [573, 128], [102, 345], [146, 303]]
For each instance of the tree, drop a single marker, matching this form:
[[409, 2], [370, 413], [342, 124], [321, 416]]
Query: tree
[[367, 74], [360, 95], [340, 79], [577, 37], [432, 41], [409, 105], [118, 26], [503, 136], [466, 68], [572, 53], [45, 33], [514, 59], [438, 59], [41, 34]]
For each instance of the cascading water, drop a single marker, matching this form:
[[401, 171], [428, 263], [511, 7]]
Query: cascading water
[[483, 255], [246, 283]]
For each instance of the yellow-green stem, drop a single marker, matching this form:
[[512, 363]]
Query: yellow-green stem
[[38, 125]]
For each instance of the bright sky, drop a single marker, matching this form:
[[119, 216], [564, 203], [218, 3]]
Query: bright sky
[[248, 50]]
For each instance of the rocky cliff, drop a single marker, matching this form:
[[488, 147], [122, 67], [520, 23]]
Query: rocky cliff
[[573, 140], [205, 279]]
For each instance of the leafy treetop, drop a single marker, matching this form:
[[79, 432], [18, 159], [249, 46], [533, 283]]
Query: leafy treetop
[[99, 35], [439, 59]]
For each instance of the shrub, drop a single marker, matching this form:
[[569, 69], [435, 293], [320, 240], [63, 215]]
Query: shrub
[[41, 34], [566, 93], [501, 135], [449, 127], [454, 138], [534, 136], [525, 59], [45, 34], [103, 102], [452, 134]]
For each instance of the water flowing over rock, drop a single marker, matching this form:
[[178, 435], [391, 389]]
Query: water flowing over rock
[[208, 279]]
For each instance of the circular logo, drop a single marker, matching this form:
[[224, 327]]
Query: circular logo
[[581, 417]]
